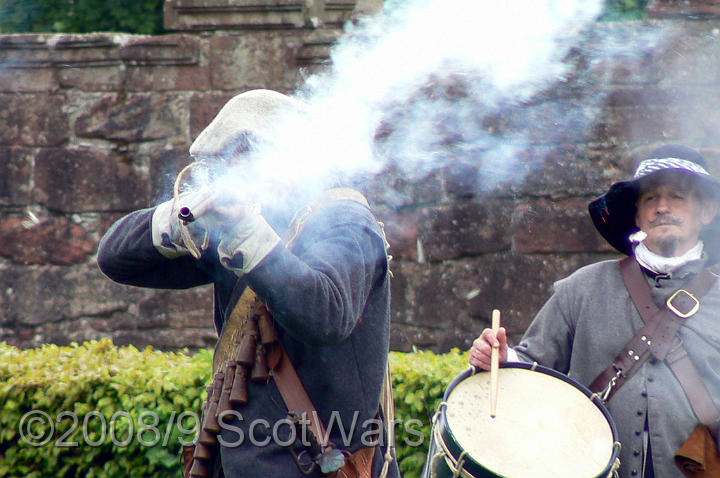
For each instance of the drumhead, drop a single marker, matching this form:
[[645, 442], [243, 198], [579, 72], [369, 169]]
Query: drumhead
[[546, 425]]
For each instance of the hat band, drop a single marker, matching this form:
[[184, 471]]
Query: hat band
[[656, 164]]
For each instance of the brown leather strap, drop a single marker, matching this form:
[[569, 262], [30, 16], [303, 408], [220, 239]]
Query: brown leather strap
[[638, 288], [293, 392], [694, 386], [637, 351], [358, 464], [659, 338]]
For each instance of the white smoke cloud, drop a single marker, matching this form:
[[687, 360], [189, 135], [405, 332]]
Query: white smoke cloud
[[425, 84], [397, 69]]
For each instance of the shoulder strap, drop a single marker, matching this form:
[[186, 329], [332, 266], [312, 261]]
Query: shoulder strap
[[659, 338], [635, 352], [294, 394], [297, 225]]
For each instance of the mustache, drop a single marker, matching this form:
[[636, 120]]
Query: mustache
[[665, 219]]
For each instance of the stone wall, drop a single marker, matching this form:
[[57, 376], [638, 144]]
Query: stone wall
[[97, 125]]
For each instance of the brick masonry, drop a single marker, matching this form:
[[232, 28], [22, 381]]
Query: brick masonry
[[97, 125]]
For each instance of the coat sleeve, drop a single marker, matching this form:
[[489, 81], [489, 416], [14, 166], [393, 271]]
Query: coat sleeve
[[127, 255], [549, 338], [318, 292]]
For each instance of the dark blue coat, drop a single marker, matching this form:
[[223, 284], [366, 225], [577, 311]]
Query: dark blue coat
[[330, 297]]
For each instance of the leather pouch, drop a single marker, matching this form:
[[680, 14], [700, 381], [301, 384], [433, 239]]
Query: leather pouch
[[188, 451], [698, 457], [357, 465]]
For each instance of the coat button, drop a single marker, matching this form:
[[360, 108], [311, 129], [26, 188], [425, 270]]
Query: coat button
[[636, 453]]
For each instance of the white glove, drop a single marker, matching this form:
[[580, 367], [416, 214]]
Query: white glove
[[167, 228], [247, 242]]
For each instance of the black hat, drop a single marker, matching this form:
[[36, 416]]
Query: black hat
[[614, 213]]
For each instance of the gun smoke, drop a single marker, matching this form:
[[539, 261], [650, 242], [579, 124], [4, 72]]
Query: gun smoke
[[425, 85]]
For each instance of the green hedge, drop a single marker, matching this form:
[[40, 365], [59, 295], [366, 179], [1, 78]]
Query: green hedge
[[146, 16], [95, 406], [419, 382], [96, 410], [81, 16]]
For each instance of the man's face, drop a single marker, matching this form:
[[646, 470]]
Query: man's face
[[672, 211]]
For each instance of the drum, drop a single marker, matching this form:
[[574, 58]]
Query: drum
[[546, 425]]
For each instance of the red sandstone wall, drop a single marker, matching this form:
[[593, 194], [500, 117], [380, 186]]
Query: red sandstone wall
[[97, 125]]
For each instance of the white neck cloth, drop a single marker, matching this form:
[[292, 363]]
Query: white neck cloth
[[663, 265]]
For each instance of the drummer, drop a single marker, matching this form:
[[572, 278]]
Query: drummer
[[665, 219]]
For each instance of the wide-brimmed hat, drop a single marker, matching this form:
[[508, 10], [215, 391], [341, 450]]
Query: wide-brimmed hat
[[252, 116], [614, 213]]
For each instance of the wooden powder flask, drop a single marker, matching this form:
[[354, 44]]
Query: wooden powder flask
[[210, 421], [200, 467], [260, 370], [269, 339], [204, 451], [268, 333], [209, 429], [224, 402], [206, 436], [245, 353], [239, 392]]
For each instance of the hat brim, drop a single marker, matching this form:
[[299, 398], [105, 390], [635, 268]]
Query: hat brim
[[613, 215]]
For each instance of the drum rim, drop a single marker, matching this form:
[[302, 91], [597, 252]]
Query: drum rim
[[450, 443]]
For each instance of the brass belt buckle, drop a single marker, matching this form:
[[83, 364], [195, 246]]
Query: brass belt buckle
[[677, 311]]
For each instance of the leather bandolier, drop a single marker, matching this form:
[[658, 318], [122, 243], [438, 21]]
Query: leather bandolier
[[241, 355]]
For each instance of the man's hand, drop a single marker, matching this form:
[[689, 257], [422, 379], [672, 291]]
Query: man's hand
[[246, 238], [227, 216], [481, 350], [166, 226]]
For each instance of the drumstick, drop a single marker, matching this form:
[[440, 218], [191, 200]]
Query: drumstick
[[494, 365]]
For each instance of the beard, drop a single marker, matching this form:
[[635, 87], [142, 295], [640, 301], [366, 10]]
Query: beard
[[667, 246]]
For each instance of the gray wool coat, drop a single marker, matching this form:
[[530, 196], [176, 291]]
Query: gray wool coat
[[330, 297], [587, 322]]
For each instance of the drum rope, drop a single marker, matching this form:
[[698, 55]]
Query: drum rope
[[434, 463], [460, 465], [615, 467], [456, 466], [438, 412], [616, 464]]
